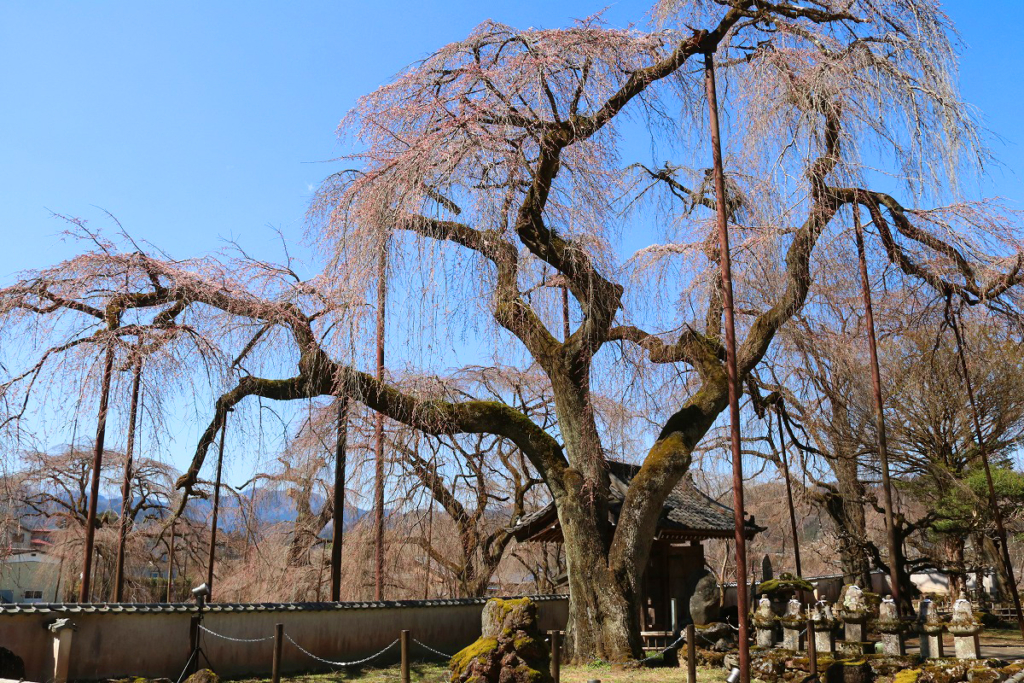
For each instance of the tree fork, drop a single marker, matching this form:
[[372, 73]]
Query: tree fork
[[126, 483], [983, 452], [742, 599], [876, 382], [97, 463]]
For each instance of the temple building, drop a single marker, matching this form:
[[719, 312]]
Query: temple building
[[677, 557]]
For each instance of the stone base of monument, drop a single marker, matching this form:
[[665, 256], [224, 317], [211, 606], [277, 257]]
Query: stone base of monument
[[894, 644], [792, 638], [764, 637], [854, 631], [855, 648], [931, 645], [966, 646], [825, 642]]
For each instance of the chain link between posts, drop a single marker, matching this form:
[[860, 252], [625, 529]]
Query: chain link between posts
[[427, 647], [234, 640], [341, 664]]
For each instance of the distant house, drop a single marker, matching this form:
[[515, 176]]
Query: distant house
[[677, 556], [27, 572], [29, 577]]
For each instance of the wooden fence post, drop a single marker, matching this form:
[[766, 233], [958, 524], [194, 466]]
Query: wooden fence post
[[404, 639], [556, 655], [278, 644], [691, 653]]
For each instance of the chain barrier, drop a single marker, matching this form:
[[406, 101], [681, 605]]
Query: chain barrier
[[341, 664], [673, 646], [235, 640], [427, 647]]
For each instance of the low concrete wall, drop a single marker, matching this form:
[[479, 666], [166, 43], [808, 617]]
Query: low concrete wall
[[152, 641]]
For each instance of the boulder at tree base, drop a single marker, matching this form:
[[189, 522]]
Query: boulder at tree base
[[510, 648], [706, 601]]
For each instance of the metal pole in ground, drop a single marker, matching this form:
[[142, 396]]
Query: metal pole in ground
[[732, 372], [556, 655], [876, 384], [983, 452], [404, 639], [216, 509], [278, 644], [691, 653], [84, 592]]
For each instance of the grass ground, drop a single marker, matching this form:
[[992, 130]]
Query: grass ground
[[438, 673]]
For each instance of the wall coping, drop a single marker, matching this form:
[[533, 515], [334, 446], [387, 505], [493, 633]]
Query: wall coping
[[229, 607]]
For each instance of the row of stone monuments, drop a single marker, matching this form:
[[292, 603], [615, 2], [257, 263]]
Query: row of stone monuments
[[853, 613]]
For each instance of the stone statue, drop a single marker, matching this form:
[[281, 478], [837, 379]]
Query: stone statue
[[854, 601]]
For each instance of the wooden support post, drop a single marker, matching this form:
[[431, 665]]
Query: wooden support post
[[404, 639], [691, 653], [675, 617], [278, 644], [556, 655]]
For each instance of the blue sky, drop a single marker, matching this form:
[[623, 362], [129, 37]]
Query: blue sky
[[196, 122]]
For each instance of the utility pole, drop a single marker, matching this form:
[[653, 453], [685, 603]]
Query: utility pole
[[97, 464], [339, 495], [997, 514], [378, 429], [725, 264], [216, 508], [126, 483], [876, 382]]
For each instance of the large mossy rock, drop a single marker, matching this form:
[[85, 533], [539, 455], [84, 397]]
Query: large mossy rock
[[11, 665], [706, 601], [510, 648], [203, 676]]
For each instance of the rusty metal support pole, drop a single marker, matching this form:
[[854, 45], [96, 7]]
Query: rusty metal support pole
[[789, 495], [337, 537], [170, 564], [275, 671], [430, 534], [812, 648], [216, 509], [725, 263], [556, 655], [876, 382], [983, 452], [378, 430], [691, 653], [404, 642], [126, 483], [97, 464]]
